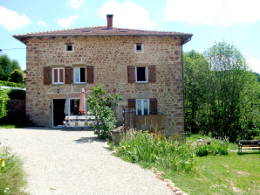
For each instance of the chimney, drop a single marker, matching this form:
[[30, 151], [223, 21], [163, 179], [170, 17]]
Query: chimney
[[109, 21]]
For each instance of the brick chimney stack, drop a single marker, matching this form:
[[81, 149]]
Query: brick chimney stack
[[109, 21]]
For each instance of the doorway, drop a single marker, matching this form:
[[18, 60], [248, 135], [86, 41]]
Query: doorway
[[58, 112]]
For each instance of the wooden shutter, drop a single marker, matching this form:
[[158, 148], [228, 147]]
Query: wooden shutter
[[90, 74], [153, 106], [46, 75], [68, 75], [61, 75], [131, 74], [131, 103], [152, 73]]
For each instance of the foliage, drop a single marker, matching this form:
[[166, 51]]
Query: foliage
[[101, 104], [16, 76], [222, 96], [12, 176], [7, 66], [16, 94], [159, 152], [3, 102], [221, 174], [214, 148], [11, 84]]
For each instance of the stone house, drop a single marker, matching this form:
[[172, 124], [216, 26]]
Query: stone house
[[144, 67]]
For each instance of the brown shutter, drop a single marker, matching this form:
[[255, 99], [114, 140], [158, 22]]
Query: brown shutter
[[68, 75], [61, 75], [90, 74], [153, 106], [131, 103], [131, 74], [46, 75], [152, 73]]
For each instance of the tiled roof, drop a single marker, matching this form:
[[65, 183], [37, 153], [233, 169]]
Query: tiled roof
[[102, 31]]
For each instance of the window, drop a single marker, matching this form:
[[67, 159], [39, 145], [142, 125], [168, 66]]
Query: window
[[139, 47], [58, 75], [74, 107], [142, 106], [141, 75], [69, 47], [79, 75]]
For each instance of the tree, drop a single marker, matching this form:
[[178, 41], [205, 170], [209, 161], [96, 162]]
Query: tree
[[16, 76], [7, 66], [101, 105]]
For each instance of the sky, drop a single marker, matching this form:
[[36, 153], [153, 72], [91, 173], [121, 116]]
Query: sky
[[210, 21]]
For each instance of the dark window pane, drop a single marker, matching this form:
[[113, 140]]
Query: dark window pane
[[141, 76], [138, 47], [69, 47], [82, 75], [74, 106]]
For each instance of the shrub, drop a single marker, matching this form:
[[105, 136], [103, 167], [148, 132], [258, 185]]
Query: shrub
[[16, 76], [3, 102], [216, 147], [11, 84], [158, 152], [12, 177], [100, 104]]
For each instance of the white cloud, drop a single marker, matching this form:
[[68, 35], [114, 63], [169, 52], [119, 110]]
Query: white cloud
[[66, 22], [127, 14], [254, 64], [213, 12], [76, 4], [42, 23], [12, 20]]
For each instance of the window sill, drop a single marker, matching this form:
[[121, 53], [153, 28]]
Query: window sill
[[141, 82], [82, 83], [57, 83]]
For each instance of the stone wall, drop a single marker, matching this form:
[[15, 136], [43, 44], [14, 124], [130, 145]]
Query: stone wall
[[110, 57]]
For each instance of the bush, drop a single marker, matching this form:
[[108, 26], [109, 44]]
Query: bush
[[12, 177], [16, 76], [100, 104], [3, 102], [11, 84], [158, 152], [216, 147]]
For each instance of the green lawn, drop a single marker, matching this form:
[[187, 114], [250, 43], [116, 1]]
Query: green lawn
[[12, 126], [231, 174]]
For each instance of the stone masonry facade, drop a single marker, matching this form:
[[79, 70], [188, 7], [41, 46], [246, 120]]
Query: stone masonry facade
[[110, 57]]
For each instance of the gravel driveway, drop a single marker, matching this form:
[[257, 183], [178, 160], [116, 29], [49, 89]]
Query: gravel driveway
[[76, 162]]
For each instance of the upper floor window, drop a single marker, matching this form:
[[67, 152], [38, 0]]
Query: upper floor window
[[69, 47], [141, 75], [139, 47], [79, 75], [58, 75]]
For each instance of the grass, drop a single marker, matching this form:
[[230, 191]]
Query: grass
[[12, 126], [12, 176], [212, 174], [231, 174]]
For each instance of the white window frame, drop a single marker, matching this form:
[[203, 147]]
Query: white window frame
[[74, 78], [142, 106], [58, 83], [139, 51], [146, 74]]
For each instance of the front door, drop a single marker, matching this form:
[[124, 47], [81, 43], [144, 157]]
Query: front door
[[58, 111]]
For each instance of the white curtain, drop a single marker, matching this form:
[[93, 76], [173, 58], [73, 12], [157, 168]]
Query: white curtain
[[67, 106]]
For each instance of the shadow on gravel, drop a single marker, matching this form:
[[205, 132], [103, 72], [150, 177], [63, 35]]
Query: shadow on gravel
[[84, 140]]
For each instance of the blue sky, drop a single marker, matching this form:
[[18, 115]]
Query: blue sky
[[233, 21]]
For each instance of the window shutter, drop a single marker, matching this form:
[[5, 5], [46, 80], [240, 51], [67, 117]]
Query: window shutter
[[152, 73], [68, 75], [46, 75], [131, 103], [90, 74], [131, 74], [153, 106], [61, 75]]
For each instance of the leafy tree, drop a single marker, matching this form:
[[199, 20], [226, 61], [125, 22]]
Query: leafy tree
[[101, 105], [16, 76], [3, 102], [7, 66]]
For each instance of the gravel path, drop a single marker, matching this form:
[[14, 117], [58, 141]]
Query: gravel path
[[75, 162]]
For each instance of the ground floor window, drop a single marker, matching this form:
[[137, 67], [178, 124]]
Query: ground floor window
[[142, 106], [74, 107]]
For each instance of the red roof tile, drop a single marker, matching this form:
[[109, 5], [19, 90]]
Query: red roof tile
[[102, 31]]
